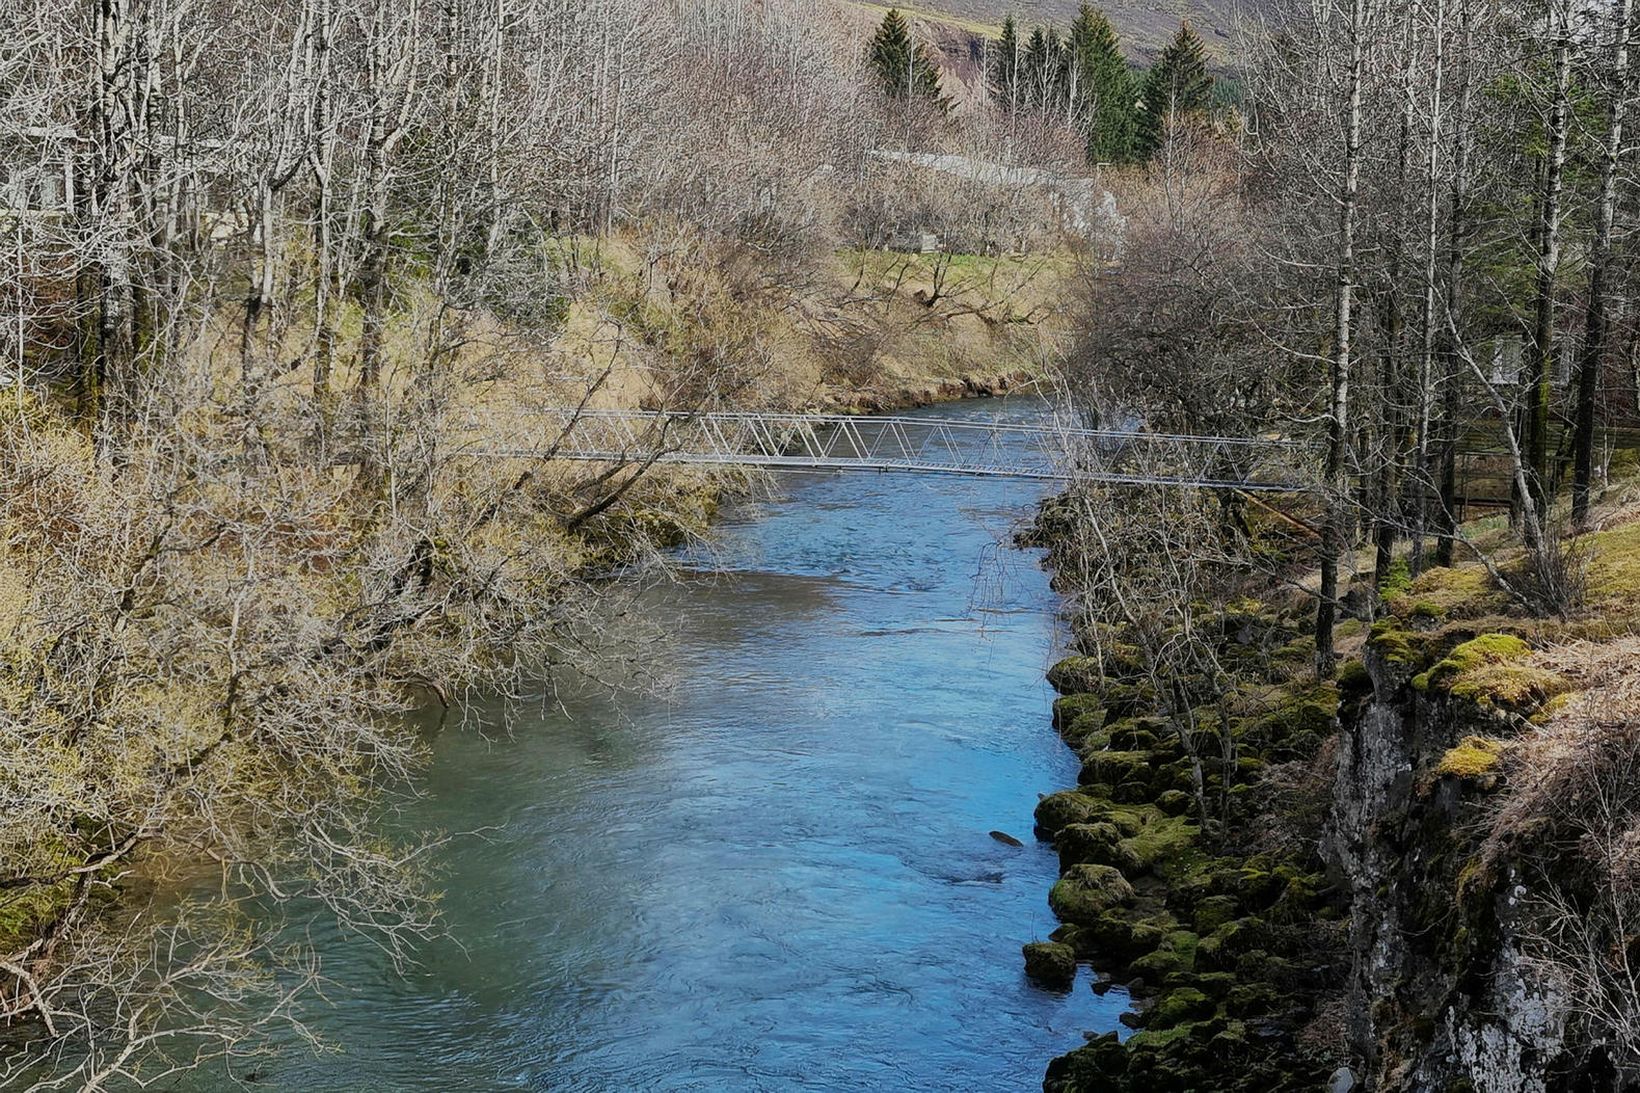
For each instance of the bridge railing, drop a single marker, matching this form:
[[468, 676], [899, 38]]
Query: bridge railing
[[1054, 451]]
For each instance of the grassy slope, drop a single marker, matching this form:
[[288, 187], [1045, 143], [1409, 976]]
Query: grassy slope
[[846, 338]]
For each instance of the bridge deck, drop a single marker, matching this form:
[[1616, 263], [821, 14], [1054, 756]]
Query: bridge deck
[[923, 445]]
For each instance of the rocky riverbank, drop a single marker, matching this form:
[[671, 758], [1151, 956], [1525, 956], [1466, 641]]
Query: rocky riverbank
[[1409, 878], [1211, 904]]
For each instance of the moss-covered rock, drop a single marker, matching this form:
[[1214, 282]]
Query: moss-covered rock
[[1136, 733], [1175, 802], [1125, 700], [1478, 652], [1220, 950], [1179, 1006], [1070, 707], [1162, 841], [1095, 1065], [1394, 643], [1050, 963], [1058, 811], [1097, 844], [1312, 710], [1353, 679], [1175, 956], [1226, 944], [1213, 912], [1511, 688], [1077, 675], [1087, 730], [1086, 892], [1473, 757], [1116, 767], [1122, 935], [1254, 1000]]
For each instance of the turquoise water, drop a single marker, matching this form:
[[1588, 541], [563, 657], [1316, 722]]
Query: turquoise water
[[776, 871]]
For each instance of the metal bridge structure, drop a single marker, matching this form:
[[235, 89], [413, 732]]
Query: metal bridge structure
[[924, 445]]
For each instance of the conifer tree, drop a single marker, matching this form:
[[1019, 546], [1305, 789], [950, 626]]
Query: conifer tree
[[1005, 64], [903, 67], [1104, 87], [1043, 68], [1177, 86]]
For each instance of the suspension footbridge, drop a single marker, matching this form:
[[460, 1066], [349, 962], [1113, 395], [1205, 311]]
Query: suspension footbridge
[[1047, 451]]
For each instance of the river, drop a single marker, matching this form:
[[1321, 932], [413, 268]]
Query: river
[[775, 872]]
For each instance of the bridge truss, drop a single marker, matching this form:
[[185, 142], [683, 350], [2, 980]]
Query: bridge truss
[[924, 445]]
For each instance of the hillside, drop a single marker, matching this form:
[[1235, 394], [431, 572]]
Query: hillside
[[1145, 25]]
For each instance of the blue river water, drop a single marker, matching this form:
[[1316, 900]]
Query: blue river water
[[775, 871]]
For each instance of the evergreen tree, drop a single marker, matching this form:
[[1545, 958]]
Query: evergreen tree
[[1177, 86], [1104, 88], [1005, 58], [1042, 71], [903, 67]]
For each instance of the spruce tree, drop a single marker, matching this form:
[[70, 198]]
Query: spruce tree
[[1005, 57], [1104, 86], [1177, 86], [1041, 73], [903, 67]]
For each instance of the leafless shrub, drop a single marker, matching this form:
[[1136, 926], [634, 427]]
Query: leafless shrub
[[1570, 826]]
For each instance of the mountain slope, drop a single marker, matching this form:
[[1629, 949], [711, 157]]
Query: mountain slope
[[1145, 25]]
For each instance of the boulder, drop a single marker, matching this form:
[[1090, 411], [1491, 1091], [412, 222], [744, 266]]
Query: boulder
[[1086, 892], [1050, 964]]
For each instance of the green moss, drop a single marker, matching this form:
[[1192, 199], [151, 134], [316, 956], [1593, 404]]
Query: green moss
[[1050, 963], [1116, 767], [1614, 570], [1097, 844], [1124, 934], [1087, 731], [1068, 709], [1517, 688], [1163, 964], [1549, 709], [1296, 711], [1157, 1039], [1160, 843], [1178, 1007], [1488, 649], [1086, 892], [1473, 757], [25, 911], [1125, 700], [1397, 581], [1136, 733], [1463, 592], [1077, 675], [1394, 642], [1176, 802], [1213, 912], [1058, 811], [1173, 957], [1254, 1000], [1353, 679]]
